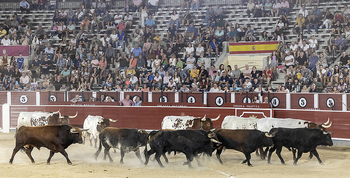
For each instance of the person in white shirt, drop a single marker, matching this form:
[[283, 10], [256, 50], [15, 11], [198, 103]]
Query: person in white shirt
[[105, 40], [294, 48], [6, 41], [156, 64], [174, 19], [153, 4], [303, 11], [199, 50], [215, 88], [172, 61], [133, 80], [118, 18], [313, 44], [305, 47], [189, 49], [288, 61], [190, 63], [128, 20]]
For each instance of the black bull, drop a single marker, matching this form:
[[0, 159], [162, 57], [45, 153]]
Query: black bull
[[189, 142], [54, 138], [303, 139], [245, 141], [127, 139]]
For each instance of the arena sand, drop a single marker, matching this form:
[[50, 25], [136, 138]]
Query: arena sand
[[336, 164]]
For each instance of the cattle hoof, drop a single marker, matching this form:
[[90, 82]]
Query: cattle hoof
[[70, 163], [121, 162], [48, 163], [250, 165], [295, 164], [10, 162], [321, 163], [185, 163]]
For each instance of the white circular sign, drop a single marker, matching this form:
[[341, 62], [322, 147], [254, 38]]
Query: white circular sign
[[163, 100], [219, 101], [247, 100], [134, 98], [191, 99], [302, 102], [53, 98], [23, 99], [275, 102], [330, 103]]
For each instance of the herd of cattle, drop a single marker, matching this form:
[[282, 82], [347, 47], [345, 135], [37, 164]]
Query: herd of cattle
[[190, 135]]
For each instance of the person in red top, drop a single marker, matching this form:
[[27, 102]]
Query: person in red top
[[132, 62], [267, 75], [127, 101]]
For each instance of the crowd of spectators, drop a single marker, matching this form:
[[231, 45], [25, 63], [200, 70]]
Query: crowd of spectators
[[93, 52]]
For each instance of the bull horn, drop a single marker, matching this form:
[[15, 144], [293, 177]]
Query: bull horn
[[71, 117], [212, 130], [326, 126], [203, 119], [73, 131], [326, 122], [60, 116], [216, 118], [325, 132], [84, 130], [215, 141], [113, 120], [268, 135], [56, 112]]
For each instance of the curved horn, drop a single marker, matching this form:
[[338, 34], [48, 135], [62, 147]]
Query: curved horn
[[73, 130], [203, 119], [212, 130], [327, 126], [60, 116], [113, 120], [268, 135], [56, 112], [326, 122], [215, 141], [71, 117], [216, 118]]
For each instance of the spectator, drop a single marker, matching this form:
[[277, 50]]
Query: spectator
[[339, 43], [174, 19], [195, 5], [313, 44], [24, 6], [327, 20], [187, 18], [101, 8], [214, 46], [284, 8], [209, 15], [344, 60], [24, 80], [190, 62], [52, 5], [250, 8], [23, 25], [20, 61], [303, 11], [312, 23], [49, 52], [301, 59], [153, 4], [219, 35], [299, 24], [186, 3], [184, 88], [128, 20], [249, 35], [150, 22], [267, 75], [258, 10], [84, 25], [136, 5], [76, 99], [275, 8]]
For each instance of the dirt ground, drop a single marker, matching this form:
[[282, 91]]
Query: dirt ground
[[336, 163]]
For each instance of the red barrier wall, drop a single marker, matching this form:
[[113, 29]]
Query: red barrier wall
[[302, 100], [218, 99], [3, 97], [330, 101], [20, 98]]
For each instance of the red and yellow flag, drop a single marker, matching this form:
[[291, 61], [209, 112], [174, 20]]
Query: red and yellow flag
[[253, 47]]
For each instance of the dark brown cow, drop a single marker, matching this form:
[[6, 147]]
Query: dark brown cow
[[188, 123], [54, 138], [245, 141]]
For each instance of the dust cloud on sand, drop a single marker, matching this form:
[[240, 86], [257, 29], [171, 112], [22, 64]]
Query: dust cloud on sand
[[336, 164]]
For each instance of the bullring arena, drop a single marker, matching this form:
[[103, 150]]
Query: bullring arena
[[90, 64], [336, 163]]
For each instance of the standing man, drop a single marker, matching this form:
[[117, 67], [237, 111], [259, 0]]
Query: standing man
[[127, 101]]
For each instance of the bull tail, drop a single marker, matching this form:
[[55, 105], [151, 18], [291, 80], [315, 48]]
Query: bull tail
[[99, 148]]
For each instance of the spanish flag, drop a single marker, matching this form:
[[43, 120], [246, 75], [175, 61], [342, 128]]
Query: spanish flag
[[253, 47]]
